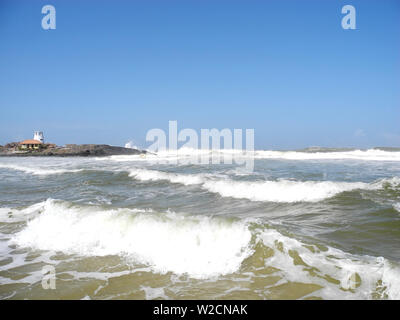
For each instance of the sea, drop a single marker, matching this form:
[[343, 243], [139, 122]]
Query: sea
[[319, 224]]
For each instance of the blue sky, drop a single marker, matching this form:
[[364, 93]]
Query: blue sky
[[112, 70]]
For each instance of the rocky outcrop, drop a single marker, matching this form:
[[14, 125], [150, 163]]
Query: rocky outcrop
[[73, 150], [11, 145]]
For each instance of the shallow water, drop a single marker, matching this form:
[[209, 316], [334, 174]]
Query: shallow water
[[319, 225]]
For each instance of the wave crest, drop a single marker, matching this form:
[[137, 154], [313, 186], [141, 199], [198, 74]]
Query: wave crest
[[271, 191], [196, 245], [38, 171], [341, 275], [365, 155]]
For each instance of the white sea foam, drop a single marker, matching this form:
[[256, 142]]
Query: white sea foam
[[396, 206], [166, 156], [202, 247], [37, 170], [153, 175], [131, 145], [129, 158], [370, 154], [197, 246], [367, 155], [282, 190], [289, 190], [358, 277], [364, 155], [393, 182], [16, 215], [272, 191]]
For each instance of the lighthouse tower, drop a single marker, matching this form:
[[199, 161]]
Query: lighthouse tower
[[38, 135]]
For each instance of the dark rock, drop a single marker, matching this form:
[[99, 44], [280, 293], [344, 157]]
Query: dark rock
[[11, 145], [71, 150]]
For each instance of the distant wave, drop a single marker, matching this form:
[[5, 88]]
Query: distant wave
[[37, 170], [367, 155], [271, 191], [309, 154]]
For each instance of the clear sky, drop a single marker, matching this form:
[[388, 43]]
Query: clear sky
[[112, 70]]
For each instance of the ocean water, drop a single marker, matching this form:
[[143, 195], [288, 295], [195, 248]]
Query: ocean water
[[302, 225]]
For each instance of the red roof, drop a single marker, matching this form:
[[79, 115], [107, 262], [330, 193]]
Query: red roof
[[31, 141]]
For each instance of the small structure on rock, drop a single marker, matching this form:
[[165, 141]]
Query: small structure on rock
[[38, 135], [33, 144], [30, 144]]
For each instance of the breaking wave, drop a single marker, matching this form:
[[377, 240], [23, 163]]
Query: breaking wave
[[282, 190], [340, 275], [316, 154], [367, 155], [196, 245], [37, 170], [153, 175], [17, 215], [204, 247], [270, 191]]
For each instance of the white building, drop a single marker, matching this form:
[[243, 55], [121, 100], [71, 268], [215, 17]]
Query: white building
[[38, 135]]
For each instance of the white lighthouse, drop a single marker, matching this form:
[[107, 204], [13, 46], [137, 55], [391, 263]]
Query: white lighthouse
[[38, 135]]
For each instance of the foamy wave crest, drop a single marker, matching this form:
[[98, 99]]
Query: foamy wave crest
[[185, 154], [16, 215], [393, 182], [271, 191], [364, 155], [367, 155], [153, 175], [290, 190], [340, 275], [282, 190], [198, 246], [37, 170]]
